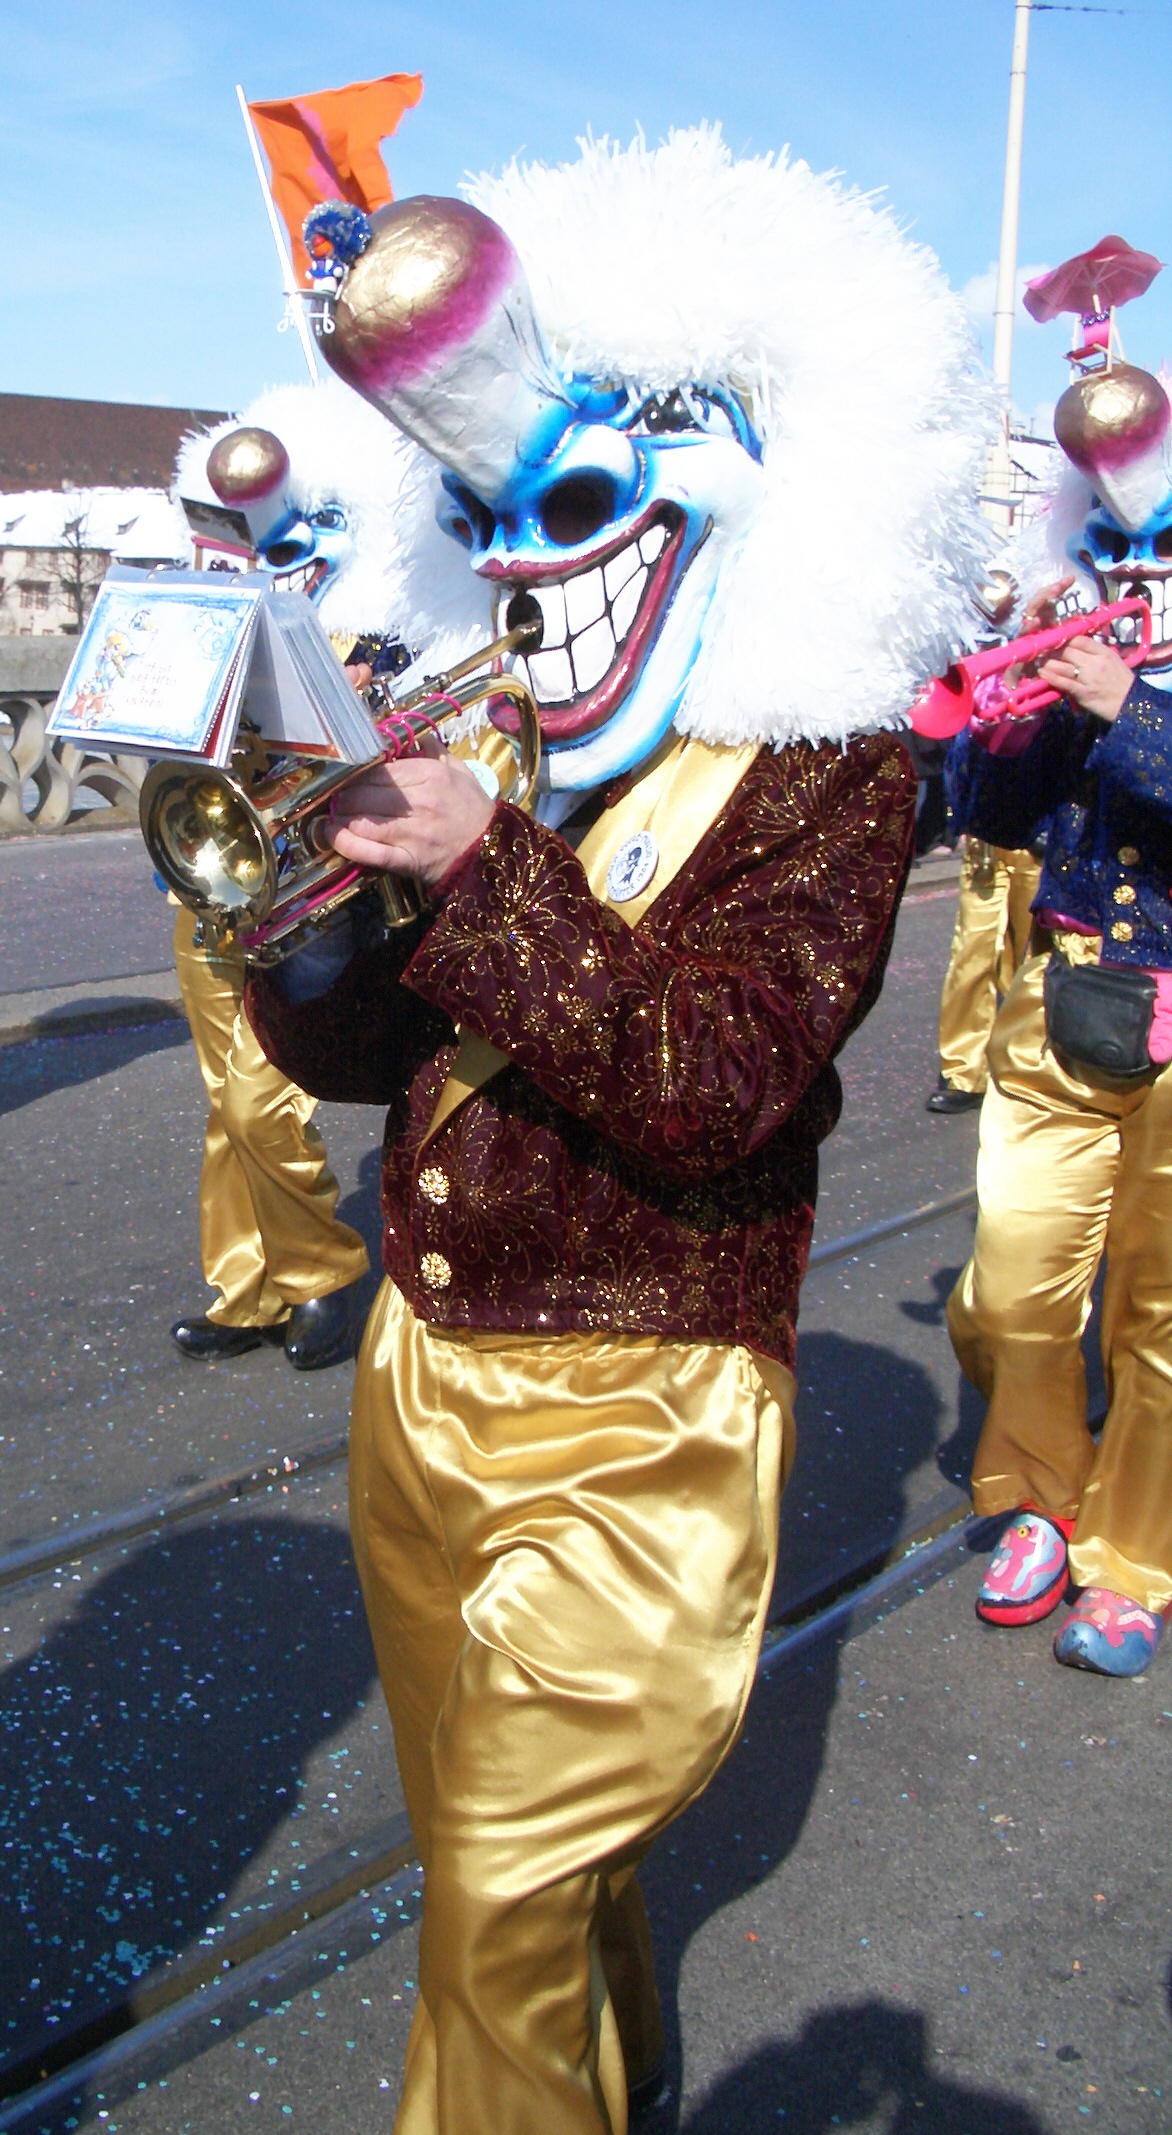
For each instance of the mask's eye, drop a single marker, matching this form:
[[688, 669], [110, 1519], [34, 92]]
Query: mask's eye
[[1162, 544], [685, 411], [663, 413], [330, 517]]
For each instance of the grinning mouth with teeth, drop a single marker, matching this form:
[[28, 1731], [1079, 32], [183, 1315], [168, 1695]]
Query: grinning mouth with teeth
[[305, 579], [599, 621], [1156, 588]]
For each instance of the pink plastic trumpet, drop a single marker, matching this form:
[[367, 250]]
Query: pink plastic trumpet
[[945, 706]]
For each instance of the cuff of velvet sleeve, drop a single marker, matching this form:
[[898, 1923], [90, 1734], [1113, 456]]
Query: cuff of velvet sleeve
[[1124, 746], [449, 883], [478, 911]]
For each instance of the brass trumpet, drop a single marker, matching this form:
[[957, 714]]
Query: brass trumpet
[[247, 850]]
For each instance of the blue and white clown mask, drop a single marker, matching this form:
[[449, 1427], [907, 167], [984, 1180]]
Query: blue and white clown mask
[[302, 550], [613, 509], [1115, 427]]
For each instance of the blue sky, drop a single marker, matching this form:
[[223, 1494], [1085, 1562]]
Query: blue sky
[[139, 261]]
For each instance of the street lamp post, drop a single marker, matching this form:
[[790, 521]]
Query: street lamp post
[[999, 475]]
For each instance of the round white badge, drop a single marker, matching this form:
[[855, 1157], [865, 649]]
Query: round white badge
[[632, 867]]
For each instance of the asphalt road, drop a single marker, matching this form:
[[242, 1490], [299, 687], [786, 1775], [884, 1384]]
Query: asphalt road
[[932, 1851]]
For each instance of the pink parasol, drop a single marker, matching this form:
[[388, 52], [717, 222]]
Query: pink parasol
[[1112, 272]]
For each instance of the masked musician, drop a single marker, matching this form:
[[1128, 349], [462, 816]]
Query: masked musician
[[607, 1045], [1076, 1129], [325, 494]]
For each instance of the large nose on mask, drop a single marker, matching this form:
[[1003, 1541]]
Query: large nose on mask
[[249, 469], [435, 326], [1116, 427]]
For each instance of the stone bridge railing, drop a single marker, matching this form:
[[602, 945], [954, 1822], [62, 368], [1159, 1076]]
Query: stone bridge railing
[[41, 781]]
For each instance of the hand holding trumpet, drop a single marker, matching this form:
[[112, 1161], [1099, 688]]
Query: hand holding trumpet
[[416, 816], [1067, 659], [1087, 670]]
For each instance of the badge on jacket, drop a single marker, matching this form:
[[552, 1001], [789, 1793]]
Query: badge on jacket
[[632, 867]]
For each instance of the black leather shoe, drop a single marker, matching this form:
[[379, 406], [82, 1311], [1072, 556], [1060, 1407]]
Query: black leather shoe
[[204, 1338], [321, 1332], [947, 1098]]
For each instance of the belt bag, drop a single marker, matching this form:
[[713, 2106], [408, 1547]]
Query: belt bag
[[1100, 1016]]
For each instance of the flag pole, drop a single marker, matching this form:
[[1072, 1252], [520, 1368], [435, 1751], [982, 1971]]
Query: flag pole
[[288, 283]]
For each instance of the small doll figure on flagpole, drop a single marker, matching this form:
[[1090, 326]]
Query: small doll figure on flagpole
[[335, 235]]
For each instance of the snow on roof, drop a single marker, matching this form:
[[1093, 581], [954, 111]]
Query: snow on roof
[[127, 523]]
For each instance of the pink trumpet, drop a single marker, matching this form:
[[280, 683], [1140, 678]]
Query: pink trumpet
[[945, 706]]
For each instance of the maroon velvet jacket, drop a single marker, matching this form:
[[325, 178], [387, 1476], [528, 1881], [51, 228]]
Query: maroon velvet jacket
[[647, 1161]]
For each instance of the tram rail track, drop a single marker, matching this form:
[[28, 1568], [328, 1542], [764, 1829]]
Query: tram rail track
[[353, 1892], [125, 1523]]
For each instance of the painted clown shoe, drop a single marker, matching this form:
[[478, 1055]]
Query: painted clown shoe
[[1026, 1578], [1108, 1634]]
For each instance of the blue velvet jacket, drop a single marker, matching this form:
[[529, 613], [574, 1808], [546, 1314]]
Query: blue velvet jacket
[[1108, 793]]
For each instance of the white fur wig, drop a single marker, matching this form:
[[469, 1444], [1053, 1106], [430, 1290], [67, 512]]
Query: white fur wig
[[662, 267], [1040, 555], [404, 577]]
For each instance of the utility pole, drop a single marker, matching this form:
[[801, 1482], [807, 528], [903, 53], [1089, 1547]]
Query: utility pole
[[998, 474]]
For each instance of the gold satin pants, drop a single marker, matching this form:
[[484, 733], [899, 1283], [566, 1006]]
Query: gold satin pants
[[268, 1235], [566, 1549], [1070, 1166], [989, 941]]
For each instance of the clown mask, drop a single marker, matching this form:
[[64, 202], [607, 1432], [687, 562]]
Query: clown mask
[[612, 509]]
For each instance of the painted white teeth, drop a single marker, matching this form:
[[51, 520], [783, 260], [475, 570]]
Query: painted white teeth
[[586, 617], [552, 676], [585, 601], [593, 652], [552, 601], [620, 568], [626, 607]]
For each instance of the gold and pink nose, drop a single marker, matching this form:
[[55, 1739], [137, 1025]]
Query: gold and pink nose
[[1116, 427], [249, 469], [434, 325]]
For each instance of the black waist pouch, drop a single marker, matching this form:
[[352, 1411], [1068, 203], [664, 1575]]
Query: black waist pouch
[[1100, 1016]]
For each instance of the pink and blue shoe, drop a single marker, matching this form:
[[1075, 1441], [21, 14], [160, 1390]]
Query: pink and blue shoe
[[1108, 1633], [1027, 1575]]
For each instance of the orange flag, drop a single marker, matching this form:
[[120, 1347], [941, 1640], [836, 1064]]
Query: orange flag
[[326, 147]]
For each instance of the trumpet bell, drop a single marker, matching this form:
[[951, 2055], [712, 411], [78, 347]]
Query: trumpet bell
[[943, 706], [208, 843]]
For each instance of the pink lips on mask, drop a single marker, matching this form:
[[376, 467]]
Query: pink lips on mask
[[586, 713]]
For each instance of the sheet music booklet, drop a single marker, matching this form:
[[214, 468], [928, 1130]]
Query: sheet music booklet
[[170, 662]]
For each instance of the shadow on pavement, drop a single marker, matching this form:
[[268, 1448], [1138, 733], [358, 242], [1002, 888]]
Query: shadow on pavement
[[33, 1070], [858, 2066], [849, 1480], [150, 1746], [867, 1419]]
